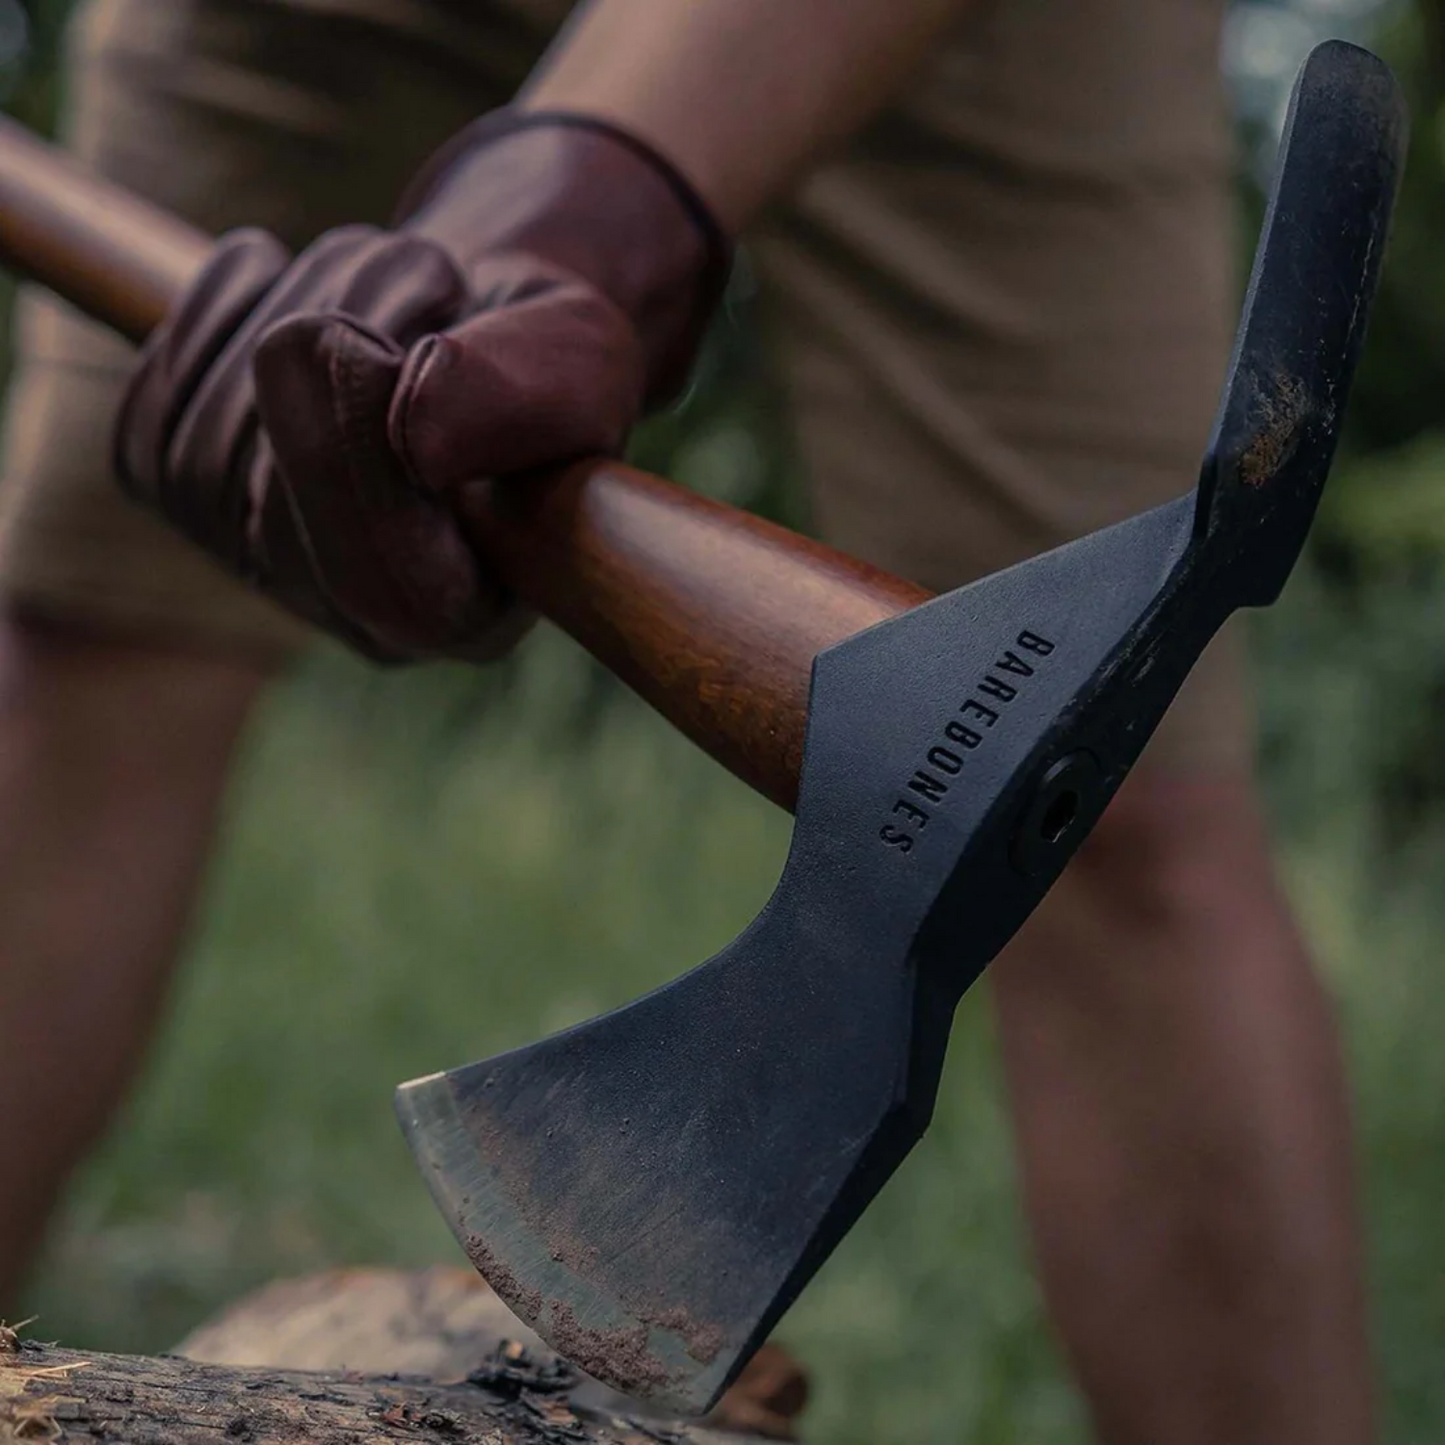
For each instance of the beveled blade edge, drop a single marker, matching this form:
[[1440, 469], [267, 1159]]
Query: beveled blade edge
[[586, 1325]]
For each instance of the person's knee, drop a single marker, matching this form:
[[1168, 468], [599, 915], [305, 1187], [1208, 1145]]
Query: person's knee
[[1174, 896], [1175, 842]]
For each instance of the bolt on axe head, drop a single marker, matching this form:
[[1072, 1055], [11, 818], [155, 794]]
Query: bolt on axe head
[[651, 1190]]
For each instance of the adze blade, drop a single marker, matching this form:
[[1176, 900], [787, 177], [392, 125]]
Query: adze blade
[[651, 1190]]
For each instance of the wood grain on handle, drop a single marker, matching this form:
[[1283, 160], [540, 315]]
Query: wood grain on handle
[[714, 616], [109, 253]]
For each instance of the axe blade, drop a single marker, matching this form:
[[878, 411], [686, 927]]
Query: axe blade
[[651, 1190]]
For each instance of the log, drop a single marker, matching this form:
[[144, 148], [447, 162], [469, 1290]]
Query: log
[[62, 1395], [388, 1357]]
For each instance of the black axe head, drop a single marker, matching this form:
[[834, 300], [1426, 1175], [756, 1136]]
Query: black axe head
[[651, 1190]]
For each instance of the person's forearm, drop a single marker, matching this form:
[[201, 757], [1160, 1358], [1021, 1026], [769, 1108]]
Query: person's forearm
[[738, 94]]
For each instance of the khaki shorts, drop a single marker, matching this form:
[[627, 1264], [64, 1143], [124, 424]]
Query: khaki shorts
[[1001, 315]]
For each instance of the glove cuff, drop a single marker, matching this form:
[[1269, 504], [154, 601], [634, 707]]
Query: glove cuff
[[588, 196]]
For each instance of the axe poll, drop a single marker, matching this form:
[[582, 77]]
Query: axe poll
[[651, 1190]]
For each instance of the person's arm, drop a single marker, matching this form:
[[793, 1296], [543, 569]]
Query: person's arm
[[739, 94], [308, 420]]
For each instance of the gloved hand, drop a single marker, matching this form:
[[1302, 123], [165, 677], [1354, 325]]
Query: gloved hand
[[306, 421]]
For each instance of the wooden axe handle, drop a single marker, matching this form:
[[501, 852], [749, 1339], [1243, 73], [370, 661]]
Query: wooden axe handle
[[712, 615]]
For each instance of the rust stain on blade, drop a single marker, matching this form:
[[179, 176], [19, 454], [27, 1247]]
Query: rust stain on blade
[[622, 1355], [1284, 410], [530, 1246]]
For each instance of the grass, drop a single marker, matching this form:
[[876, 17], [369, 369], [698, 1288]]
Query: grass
[[424, 868]]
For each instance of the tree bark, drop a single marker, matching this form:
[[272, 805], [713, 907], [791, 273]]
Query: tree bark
[[472, 1374], [62, 1395]]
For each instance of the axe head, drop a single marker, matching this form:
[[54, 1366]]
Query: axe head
[[651, 1190]]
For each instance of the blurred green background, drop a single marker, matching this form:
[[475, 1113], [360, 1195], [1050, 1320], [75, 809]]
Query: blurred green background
[[424, 868]]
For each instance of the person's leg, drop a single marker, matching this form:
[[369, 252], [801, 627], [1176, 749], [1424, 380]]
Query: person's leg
[[113, 758], [1005, 316], [1183, 1130], [127, 662], [127, 668]]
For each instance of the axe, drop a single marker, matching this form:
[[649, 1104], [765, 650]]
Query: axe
[[651, 1190]]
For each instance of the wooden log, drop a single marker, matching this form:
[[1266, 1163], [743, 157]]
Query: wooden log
[[391, 1357], [62, 1395]]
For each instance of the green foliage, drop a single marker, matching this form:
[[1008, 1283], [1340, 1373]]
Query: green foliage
[[33, 88], [1403, 375]]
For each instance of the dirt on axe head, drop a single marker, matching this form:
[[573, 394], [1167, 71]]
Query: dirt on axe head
[[651, 1190]]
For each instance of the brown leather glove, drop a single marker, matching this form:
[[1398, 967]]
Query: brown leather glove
[[307, 421]]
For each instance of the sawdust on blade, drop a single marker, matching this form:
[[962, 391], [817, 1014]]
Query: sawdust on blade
[[524, 1300], [620, 1356]]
